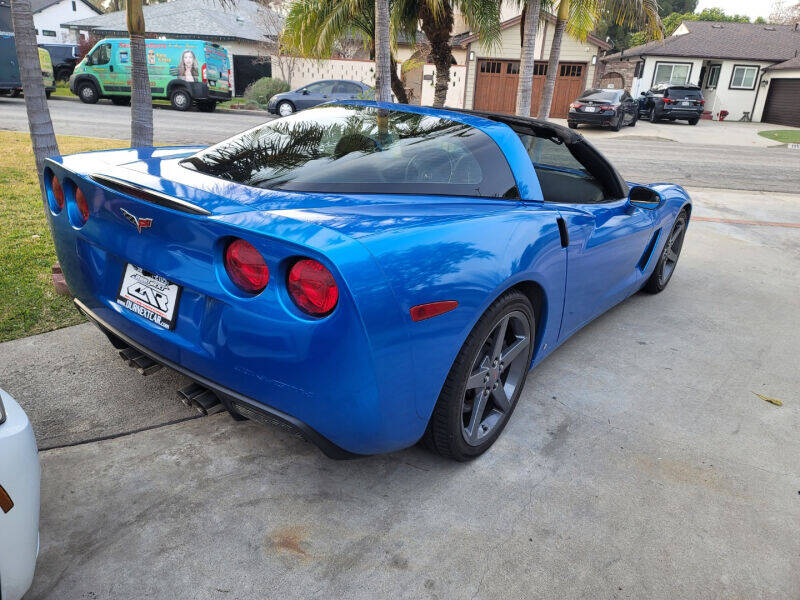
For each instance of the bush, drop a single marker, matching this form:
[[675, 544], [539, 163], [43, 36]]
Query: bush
[[259, 92]]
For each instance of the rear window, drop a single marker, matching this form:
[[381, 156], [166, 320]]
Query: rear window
[[359, 149], [681, 94], [600, 95]]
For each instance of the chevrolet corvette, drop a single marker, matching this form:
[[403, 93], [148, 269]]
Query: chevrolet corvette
[[367, 275]]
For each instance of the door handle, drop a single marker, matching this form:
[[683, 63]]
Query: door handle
[[562, 232], [111, 68]]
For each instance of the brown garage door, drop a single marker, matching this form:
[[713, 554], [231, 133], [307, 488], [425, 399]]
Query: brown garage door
[[496, 86], [781, 106]]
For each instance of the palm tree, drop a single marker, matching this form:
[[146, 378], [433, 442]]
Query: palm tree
[[383, 66], [141, 99], [436, 21], [530, 24], [579, 18], [43, 138], [313, 27]]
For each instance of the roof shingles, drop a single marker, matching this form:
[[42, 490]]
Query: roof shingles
[[709, 39]]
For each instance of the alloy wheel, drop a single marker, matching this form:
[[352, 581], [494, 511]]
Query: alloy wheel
[[672, 250], [498, 370]]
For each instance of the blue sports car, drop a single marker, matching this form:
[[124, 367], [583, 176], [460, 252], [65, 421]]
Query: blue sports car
[[368, 275]]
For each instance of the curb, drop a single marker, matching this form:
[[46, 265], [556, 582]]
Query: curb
[[226, 111]]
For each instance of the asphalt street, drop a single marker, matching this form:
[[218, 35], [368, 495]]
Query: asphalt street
[[644, 155], [639, 462]]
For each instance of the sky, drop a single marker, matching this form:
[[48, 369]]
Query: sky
[[751, 8]]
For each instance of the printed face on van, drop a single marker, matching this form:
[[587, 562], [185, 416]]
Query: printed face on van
[[187, 68]]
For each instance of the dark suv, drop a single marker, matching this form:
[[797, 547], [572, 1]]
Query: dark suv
[[672, 102], [64, 57]]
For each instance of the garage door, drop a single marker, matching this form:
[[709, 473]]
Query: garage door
[[782, 107], [496, 86]]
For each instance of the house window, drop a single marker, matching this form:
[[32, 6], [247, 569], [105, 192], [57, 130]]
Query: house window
[[673, 73], [743, 77], [713, 76], [74, 7], [48, 33], [540, 68]]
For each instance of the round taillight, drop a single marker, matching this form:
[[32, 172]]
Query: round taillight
[[312, 287], [246, 267], [58, 192], [83, 206]]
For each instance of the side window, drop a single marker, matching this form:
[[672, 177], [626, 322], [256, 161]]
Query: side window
[[350, 88], [101, 55], [321, 87], [561, 176]]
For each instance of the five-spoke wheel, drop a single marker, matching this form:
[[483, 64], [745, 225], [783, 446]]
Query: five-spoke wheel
[[485, 381], [668, 259]]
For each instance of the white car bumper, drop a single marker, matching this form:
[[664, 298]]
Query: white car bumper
[[19, 477]]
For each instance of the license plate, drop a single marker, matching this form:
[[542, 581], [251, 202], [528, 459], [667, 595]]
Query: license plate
[[589, 109], [149, 295], [684, 103]]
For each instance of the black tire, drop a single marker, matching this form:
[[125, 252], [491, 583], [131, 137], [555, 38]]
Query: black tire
[[572, 124], [206, 106], [285, 108], [693, 121], [634, 119], [180, 100], [618, 125], [652, 116], [447, 434], [668, 259], [47, 94], [87, 92], [16, 93], [120, 101]]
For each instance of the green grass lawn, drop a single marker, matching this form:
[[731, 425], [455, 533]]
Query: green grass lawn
[[28, 302], [785, 136]]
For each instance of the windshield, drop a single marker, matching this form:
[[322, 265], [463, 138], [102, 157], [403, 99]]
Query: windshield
[[600, 95], [354, 149]]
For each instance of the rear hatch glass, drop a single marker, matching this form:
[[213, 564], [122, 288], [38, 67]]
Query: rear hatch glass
[[684, 94]]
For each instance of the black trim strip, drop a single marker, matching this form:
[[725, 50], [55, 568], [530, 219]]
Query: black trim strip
[[562, 231], [234, 401], [148, 195]]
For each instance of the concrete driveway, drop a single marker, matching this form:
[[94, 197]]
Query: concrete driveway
[[639, 462], [706, 132]]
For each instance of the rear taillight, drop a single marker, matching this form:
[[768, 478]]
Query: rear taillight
[[83, 206], [230, 78], [246, 267], [58, 192], [702, 102], [606, 107], [575, 105], [312, 287], [204, 72], [666, 100]]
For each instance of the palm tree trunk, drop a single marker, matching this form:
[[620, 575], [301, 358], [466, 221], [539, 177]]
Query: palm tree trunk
[[43, 138], [397, 84], [552, 63], [527, 57], [141, 99], [438, 29], [383, 68]]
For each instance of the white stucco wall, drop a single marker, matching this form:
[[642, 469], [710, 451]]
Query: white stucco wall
[[455, 92], [52, 17], [572, 50], [735, 101], [764, 90], [645, 82]]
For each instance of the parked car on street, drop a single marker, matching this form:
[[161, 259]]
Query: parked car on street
[[366, 277], [64, 58], [19, 500], [317, 93], [10, 82], [672, 102], [603, 108], [186, 72]]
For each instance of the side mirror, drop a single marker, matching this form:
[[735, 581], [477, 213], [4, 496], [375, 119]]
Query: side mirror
[[644, 197], [643, 93], [305, 92]]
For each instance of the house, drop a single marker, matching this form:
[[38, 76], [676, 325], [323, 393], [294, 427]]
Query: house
[[492, 71], [245, 28], [48, 16], [747, 71]]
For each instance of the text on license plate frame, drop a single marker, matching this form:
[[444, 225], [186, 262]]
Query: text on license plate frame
[[150, 296]]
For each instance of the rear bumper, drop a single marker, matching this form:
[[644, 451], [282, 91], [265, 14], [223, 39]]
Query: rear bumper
[[233, 401], [201, 91], [598, 119], [19, 476], [681, 113]]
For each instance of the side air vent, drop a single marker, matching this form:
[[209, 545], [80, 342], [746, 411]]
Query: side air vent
[[648, 252], [148, 195]]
